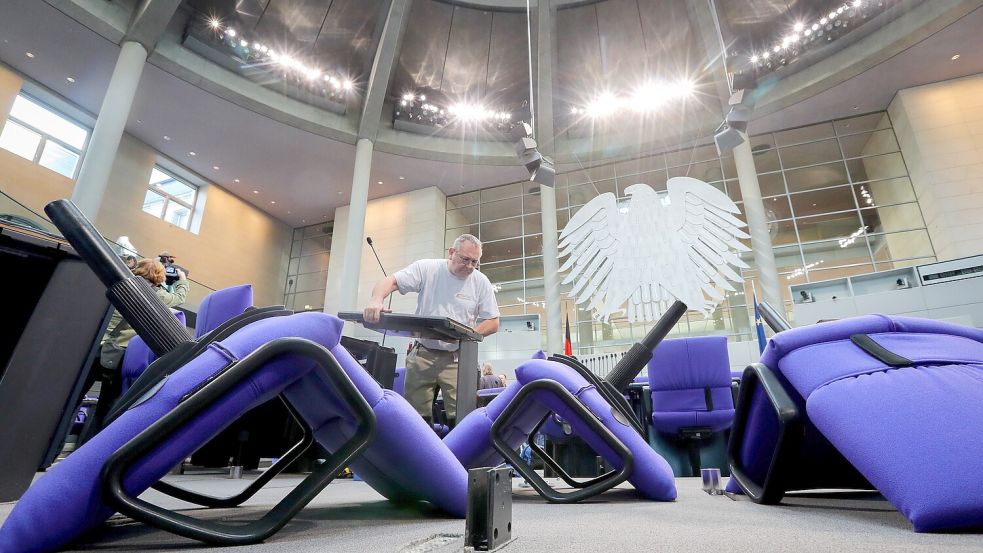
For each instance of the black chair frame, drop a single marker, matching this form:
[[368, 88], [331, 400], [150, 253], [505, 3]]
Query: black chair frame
[[198, 400], [614, 398], [550, 462], [790, 431], [589, 489]]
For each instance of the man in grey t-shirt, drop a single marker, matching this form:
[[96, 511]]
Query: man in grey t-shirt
[[450, 287]]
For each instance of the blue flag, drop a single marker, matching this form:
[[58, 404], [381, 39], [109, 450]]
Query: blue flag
[[759, 324]]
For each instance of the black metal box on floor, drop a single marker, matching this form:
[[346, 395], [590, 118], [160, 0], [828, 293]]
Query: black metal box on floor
[[489, 518]]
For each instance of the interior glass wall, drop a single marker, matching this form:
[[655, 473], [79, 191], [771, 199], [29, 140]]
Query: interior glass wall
[[307, 273], [837, 195]]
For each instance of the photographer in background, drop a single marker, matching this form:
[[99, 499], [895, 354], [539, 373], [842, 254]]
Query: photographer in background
[[171, 269], [106, 367]]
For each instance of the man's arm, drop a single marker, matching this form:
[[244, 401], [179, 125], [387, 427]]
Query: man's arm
[[487, 327], [380, 292]]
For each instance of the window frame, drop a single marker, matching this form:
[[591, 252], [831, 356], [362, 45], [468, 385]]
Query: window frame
[[168, 197], [46, 137]]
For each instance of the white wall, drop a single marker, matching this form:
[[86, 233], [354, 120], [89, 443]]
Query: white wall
[[940, 130], [404, 227]]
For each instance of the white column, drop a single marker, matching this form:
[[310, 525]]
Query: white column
[[355, 232], [757, 222], [551, 271], [101, 151]]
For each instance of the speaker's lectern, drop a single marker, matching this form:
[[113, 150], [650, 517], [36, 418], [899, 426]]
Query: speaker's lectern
[[435, 328]]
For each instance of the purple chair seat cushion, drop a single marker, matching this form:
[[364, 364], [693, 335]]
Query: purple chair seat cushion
[[680, 372], [470, 441]]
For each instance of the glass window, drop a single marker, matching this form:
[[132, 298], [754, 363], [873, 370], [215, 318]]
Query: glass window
[[655, 179], [692, 155], [706, 171], [862, 123], [501, 250], [817, 176], [885, 166], [885, 192], [503, 228], [461, 200], [20, 140], [532, 202], [175, 197], [579, 195], [842, 226], [59, 159], [868, 144], [463, 216], [533, 245], [901, 245], [777, 208], [812, 153], [771, 184], [506, 271], [533, 224], [43, 136], [765, 158], [500, 192], [782, 232], [893, 218], [153, 204], [48, 122], [822, 201], [534, 267], [501, 209], [801, 135], [450, 235]]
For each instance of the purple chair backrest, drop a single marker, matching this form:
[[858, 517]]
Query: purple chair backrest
[[222, 305], [689, 377]]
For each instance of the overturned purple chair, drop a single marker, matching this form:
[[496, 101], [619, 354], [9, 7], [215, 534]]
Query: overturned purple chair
[[690, 385], [138, 356], [868, 402], [560, 390], [235, 367]]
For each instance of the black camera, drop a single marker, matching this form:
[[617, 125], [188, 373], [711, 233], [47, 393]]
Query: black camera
[[171, 269]]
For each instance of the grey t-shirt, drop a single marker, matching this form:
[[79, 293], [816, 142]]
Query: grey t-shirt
[[442, 294]]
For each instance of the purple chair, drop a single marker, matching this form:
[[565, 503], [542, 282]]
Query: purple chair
[[873, 401], [690, 384], [363, 426], [222, 305], [490, 435]]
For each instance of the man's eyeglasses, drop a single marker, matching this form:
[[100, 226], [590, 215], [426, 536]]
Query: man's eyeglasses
[[467, 260]]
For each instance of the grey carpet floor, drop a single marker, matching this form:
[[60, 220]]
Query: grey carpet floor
[[350, 516]]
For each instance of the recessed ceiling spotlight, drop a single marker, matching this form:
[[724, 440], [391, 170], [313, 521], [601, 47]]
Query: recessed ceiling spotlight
[[955, 57], [402, 178], [380, 182], [339, 192], [166, 137], [139, 122], [272, 201], [303, 220], [29, 54], [189, 153], [856, 107], [72, 79], [216, 167], [235, 180]]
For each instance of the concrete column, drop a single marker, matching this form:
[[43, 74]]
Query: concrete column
[[104, 142], [355, 232], [757, 222], [544, 136]]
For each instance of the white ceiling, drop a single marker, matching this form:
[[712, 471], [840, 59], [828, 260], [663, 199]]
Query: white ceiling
[[308, 175]]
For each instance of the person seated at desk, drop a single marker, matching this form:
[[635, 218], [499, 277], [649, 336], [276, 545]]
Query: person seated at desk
[[451, 287], [488, 378]]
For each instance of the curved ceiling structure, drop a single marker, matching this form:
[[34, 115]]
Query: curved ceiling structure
[[281, 135]]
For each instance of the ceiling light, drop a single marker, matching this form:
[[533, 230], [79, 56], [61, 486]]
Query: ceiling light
[[216, 167], [72, 79], [230, 32], [235, 180], [272, 201], [29, 54], [215, 23], [166, 137], [380, 182], [754, 58], [402, 178], [189, 153], [798, 26], [408, 97], [255, 191], [955, 57], [857, 3], [348, 85]]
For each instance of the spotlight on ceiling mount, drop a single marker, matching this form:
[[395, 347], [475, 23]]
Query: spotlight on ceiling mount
[[540, 168]]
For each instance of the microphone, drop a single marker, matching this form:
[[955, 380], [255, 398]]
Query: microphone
[[368, 240]]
